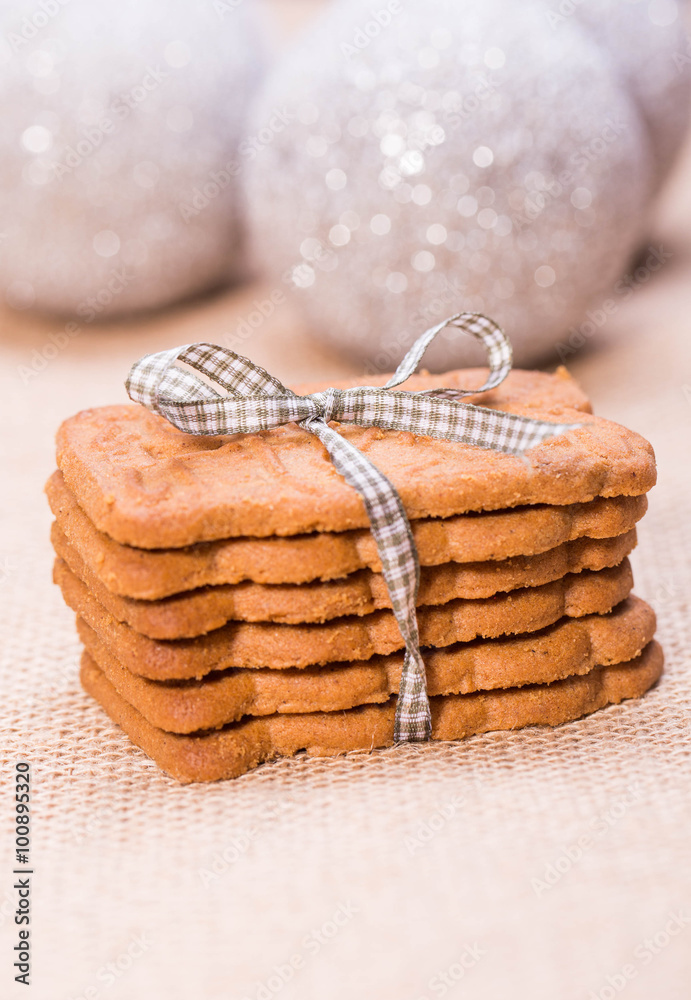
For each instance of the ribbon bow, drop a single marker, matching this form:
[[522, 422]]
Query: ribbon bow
[[237, 396]]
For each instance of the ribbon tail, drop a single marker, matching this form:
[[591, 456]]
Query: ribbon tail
[[400, 568], [413, 720]]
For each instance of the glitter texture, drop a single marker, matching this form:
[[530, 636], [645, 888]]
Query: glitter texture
[[121, 119], [499, 162]]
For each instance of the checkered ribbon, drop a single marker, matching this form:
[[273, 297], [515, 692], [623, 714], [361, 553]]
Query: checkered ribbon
[[205, 389]]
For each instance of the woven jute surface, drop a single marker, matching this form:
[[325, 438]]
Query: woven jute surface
[[533, 864]]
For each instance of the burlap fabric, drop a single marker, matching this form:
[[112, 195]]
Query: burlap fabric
[[533, 865]]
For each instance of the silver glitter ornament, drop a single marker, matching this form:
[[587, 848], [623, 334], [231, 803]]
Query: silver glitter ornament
[[120, 150], [652, 53], [447, 156]]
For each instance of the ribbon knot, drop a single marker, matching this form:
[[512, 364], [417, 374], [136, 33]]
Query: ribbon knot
[[328, 404], [236, 396]]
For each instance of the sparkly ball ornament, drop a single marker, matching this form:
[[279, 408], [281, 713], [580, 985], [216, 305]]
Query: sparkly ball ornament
[[448, 156], [120, 150], [653, 57]]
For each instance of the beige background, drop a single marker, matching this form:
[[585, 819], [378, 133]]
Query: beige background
[[423, 852]]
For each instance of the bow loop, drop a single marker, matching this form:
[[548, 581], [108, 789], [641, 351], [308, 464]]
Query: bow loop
[[206, 389], [237, 376], [490, 335]]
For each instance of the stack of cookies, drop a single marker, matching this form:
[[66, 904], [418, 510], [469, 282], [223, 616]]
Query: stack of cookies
[[230, 601]]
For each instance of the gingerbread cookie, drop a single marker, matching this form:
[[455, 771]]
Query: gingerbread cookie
[[146, 484], [151, 574], [256, 645], [235, 749], [200, 611], [571, 646]]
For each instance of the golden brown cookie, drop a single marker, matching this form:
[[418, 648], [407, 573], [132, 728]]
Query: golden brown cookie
[[571, 646], [263, 644], [492, 535], [235, 749], [201, 611], [146, 484]]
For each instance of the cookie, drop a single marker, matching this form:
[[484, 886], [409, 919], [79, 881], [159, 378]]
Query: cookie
[[235, 749], [571, 646], [153, 574], [263, 644], [201, 611], [146, 484]]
